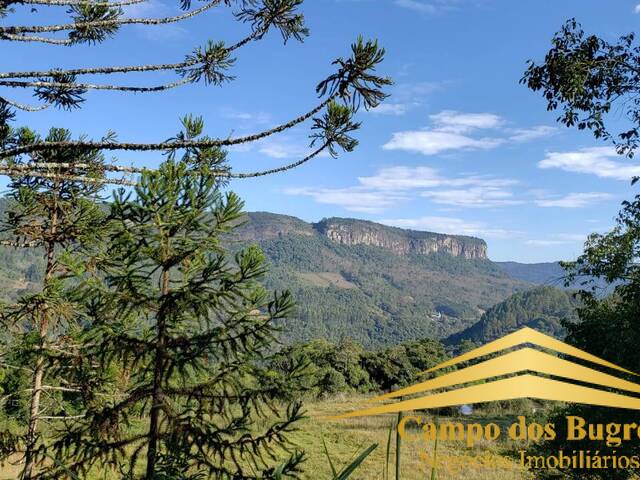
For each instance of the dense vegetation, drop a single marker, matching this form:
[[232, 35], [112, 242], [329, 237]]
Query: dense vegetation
[[585, 77], [545, 309], [136, 349], [347, 367], [370, 294]]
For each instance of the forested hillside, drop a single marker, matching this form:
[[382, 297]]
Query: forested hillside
[[353, 279], [376, 295], [542, 308]]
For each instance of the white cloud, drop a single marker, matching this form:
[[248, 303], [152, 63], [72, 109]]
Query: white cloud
[[261, 118], [417, 6], [405, 97], [458, 122], [411, 178], [155, 9], [431, 142], [402, 178], [599, 161], [573, 200], [451, 225], [545, 243], [559, 239], [392, 185], [146, 9], [353, 199], [391, 109], [476, 197], [636, 9], [280, 150], [428, 6], [413, 91], [452, 130], [533, 133], [286, 147]]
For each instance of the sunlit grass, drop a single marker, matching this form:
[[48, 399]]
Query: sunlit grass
[[347, 438]]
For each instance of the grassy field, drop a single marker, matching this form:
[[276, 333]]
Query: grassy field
[[346, 438]]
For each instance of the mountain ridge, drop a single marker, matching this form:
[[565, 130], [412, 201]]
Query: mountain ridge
[[352, 231], [375, 284]]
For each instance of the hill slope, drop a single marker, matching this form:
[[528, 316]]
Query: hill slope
[[541, 308], [376, 284]]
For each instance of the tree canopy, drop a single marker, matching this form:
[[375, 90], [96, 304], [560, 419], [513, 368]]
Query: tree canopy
[[586, 78]]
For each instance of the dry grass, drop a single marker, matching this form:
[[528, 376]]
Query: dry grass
[[345, 438]]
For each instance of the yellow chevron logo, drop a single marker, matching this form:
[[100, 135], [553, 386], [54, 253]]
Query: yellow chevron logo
[[492, 379]]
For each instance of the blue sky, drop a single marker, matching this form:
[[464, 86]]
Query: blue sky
[[459, 147]]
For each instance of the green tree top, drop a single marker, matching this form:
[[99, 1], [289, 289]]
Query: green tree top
[[585, 77]]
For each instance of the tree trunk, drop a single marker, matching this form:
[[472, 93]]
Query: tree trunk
[[157, 396], [38, 374], [36, 384], [34, 412]]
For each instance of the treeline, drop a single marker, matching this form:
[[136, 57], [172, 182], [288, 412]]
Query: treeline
[[347, 367]]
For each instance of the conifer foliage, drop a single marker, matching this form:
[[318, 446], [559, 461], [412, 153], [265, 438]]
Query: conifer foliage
[[57, 216], [193, 327]]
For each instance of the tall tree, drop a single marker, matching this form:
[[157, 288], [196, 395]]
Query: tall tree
[[54, 216], [586, 77], [90, 23], [194, 329]]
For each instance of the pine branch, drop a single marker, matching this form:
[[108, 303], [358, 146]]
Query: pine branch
[[167, 145], [100, 70], [15, 367], [26, 108], [92, 86], [28, 171], [34, 38], [62, 176], [190, 62], [50, 387], [8, 243], [34, 166], [70, 3], [12, 30], [60, 417]]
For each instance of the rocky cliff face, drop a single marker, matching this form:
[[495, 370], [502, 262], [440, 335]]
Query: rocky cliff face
[[400, 241]]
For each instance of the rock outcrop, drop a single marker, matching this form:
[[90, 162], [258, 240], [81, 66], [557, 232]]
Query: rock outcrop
[[400, 241]]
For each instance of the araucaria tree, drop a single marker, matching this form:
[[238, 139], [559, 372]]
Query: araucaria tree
[[192, 326], [56, 216], [162, 303]]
